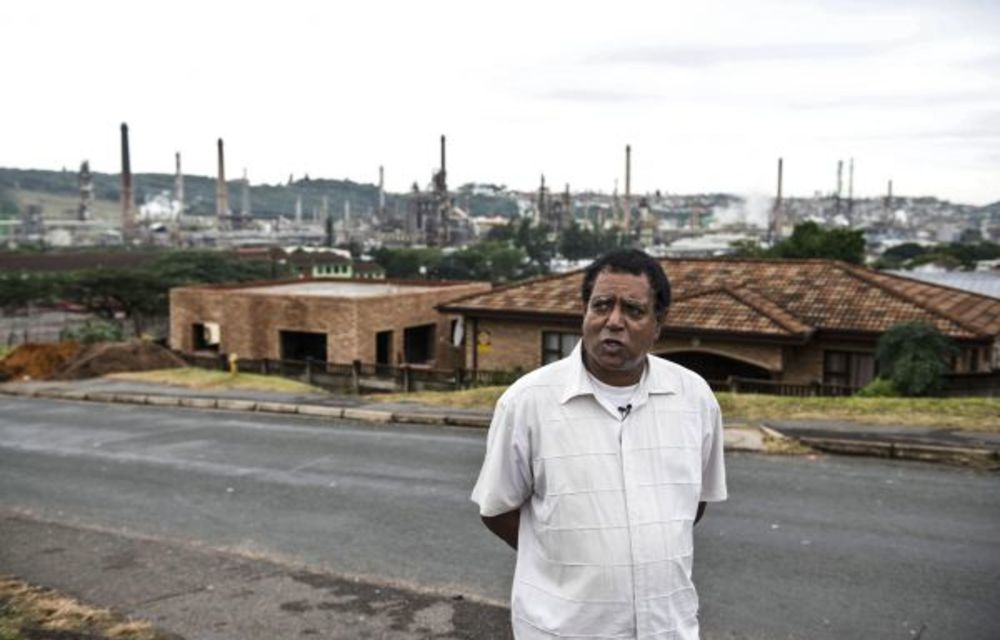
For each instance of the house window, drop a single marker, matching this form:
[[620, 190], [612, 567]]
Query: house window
[[418, 343], [557, 345], [848, 368]]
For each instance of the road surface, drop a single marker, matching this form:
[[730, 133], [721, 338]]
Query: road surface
[[818, 547]]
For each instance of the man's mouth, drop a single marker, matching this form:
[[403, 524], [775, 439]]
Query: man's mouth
[[612, 344]]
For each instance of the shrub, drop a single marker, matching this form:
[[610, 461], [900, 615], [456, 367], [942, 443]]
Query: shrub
[[878, 388], [95, 331], [914, 356]]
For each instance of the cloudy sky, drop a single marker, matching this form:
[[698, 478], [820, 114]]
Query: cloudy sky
[[709, 94]]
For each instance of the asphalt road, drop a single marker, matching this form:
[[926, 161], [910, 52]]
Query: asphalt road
[[805, 548]]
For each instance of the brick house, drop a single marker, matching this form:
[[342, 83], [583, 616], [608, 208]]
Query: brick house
[[795, 321], [337, 321]]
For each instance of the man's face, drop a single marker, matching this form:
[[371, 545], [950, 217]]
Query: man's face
[[619, 327]]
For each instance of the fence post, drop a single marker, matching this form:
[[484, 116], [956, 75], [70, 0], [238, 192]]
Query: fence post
[[817, 388], [406, 378], [309, 370], [356, 376], [734, 384], [459, 382]]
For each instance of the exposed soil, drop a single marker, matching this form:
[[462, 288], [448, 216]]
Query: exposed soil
[[116, 357], [37, 361]]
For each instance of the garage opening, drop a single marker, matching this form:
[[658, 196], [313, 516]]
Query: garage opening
[[716, 368], [303, 345], [383, 351], [418, 343]]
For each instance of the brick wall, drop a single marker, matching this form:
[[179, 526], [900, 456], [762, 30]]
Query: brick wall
[[804, 364], [506, 344], [250, 323]]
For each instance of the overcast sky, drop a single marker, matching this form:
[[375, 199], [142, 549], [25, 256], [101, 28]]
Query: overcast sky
[[709, 94]]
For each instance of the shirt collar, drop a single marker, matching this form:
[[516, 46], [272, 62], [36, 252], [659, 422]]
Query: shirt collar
[[656, 380]]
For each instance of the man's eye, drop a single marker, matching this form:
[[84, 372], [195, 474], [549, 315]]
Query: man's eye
[[600, 305], [635, 311]]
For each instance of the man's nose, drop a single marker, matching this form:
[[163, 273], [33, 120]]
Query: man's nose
[[616, 317]]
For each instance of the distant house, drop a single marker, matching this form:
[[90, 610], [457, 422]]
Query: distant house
[[321, 265], [796, 321], [337, 321]]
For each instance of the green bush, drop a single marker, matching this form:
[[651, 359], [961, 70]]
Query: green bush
[[95, 331], [878, 388], [914, 356]]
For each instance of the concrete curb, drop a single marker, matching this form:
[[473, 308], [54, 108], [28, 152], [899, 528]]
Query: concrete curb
[[903, 450], [977, 456]]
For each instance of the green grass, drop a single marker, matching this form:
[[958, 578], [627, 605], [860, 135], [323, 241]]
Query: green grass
[[973, 414], [196, 378]]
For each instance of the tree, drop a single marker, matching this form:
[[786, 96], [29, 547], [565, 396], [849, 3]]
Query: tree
[[809, 240], [18, 290], [914, 357]]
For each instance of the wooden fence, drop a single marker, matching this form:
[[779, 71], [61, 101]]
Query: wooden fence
[[361, 377]]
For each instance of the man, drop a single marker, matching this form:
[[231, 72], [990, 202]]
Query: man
[[597, 467]]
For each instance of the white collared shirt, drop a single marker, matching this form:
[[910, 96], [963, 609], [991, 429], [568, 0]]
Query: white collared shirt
[[607, 506]]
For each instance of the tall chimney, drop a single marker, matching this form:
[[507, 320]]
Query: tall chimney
[[86, 208], [888, 200], [178, 181], [777, 214], [443, 165], [541, 210], [245, 204], [128, 199], [381, 192], [221, 191], [850, 192], [628, 191], [840, 185]]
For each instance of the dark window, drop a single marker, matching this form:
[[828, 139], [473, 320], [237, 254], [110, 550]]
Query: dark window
[[303, 345], [383, 347], [556, 345], [418, 343], [205, 337], [848, 368]]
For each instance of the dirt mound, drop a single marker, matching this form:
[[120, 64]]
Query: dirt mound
[[116, 357], [37, 360]]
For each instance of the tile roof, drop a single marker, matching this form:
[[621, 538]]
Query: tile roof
[[768, 298]]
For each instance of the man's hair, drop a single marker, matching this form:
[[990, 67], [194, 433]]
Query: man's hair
[[630, 261]]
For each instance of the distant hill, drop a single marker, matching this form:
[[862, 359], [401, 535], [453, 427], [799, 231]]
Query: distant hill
[[267, 201]]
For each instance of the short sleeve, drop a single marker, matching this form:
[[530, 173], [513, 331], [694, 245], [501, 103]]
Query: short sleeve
[[713, 466], [505, 480]]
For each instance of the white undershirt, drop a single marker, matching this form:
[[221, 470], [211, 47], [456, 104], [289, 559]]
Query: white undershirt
[[612, 397]]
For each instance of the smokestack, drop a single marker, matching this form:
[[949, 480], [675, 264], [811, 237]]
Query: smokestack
[[628, 191], [245, 208], [840, 185], [178, 181], [888, 199], [221, 191], [443, 165], [850, 192], [86, 180], [777, 214], [298, 209], [567, 216], [381, 192], [541, 210], [128, 200]]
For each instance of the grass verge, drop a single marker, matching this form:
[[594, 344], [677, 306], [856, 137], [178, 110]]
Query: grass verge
[[33, 612], [197, 378], [971, 414]]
